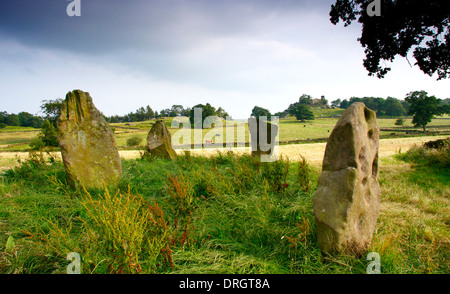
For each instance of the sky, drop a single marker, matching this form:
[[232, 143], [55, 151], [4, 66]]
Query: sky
[[233, 54]]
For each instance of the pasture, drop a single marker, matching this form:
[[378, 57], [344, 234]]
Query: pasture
[[237, 215]]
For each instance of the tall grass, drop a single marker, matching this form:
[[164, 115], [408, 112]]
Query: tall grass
[[223, 214], [425, 155]]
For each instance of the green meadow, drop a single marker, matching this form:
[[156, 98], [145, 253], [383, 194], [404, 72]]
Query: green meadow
[[291, 131], [225, 213], [219, 214]]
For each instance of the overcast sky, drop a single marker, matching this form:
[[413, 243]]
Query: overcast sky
[[231, 53]]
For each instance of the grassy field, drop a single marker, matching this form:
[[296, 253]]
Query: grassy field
[[291, 131], [225, 213], [217, 212]]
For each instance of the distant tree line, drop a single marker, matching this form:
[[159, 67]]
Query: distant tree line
[[383, 107], [389, 107], [23, 119], [386, 107], [147, 113], [302, 108], [141, 114]]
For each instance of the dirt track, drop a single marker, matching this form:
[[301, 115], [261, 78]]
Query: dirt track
[[312, 152]]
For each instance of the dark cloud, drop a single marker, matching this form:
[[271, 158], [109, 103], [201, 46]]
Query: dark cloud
[[107, 26]]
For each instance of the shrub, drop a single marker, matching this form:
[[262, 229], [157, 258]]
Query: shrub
[[47, 137], [438, 144], [399, 122], [121, 233], [183, 199], [37, 143], [135, 140], [425, 155], [182, 194], [31, 167], [303, 175], [276, 173], [128, 230], [49, 134]]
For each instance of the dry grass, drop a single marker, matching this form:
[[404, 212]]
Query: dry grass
[[414, 217], [312, 152]]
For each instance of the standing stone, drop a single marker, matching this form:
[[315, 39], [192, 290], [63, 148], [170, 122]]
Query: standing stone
[[88, 148], [263, 136], [159, 141], [347, 199]]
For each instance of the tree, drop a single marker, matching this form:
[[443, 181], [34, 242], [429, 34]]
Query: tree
[[206, 110], [259, 111], [149, 112], [3, 117], [305, 99], [303, 113], [401, 25], [164, 113], [422, 107], [336, 103], [140, 114], [13, 120], [52, 109], [393, 107], [222, 113], [28, 120], [176, 110], [344, 104]]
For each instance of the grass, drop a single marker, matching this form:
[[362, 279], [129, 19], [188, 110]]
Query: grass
[[413, 227], [219, 214], [16, 138], [290, 131]]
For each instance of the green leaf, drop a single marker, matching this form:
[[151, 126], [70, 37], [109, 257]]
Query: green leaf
[[10, 244]]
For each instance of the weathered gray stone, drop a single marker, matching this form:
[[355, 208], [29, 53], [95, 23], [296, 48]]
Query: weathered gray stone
[[159, 141], [347, 199], [88, 148]]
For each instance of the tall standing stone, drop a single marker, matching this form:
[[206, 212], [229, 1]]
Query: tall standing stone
[[88, 148], [159, 141], [347, 199]]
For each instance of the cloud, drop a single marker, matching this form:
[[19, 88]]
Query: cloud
[[233, 54]]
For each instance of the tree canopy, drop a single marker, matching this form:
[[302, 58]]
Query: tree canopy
[[423, 108], [302, 112], [206, 110], [384, 107], [259, 111], [52, 109], [23, 119], [423, 25]]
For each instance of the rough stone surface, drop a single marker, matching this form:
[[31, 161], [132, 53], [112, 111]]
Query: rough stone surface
[[88, 148], [261, 139], [347, 199], [159, 141]]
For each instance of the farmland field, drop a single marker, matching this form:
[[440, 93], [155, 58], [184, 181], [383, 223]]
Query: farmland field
[[290, 131], [239, 221]]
